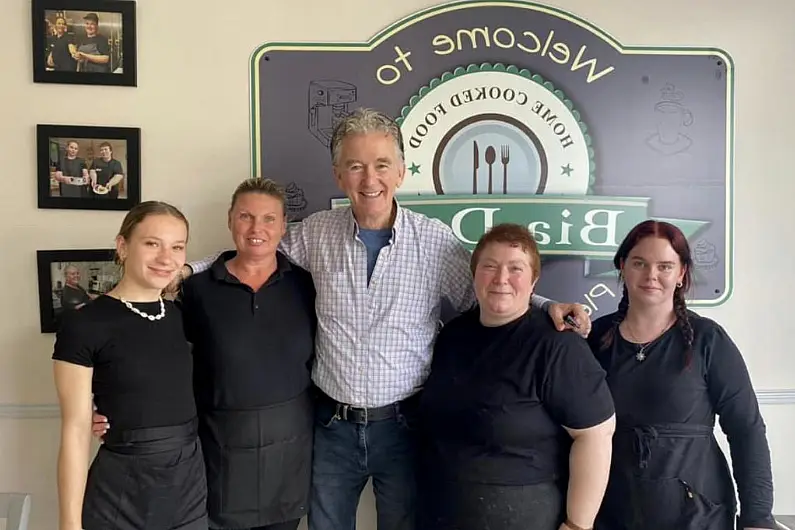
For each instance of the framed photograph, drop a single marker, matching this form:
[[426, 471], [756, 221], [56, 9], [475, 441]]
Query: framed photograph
[[88, 168], [69, 279], [84, 42]]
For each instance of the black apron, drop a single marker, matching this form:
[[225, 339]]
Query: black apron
[[667, 477], [150, 479], [259, 463]]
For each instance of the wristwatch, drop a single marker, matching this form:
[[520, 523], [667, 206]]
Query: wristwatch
[[573, 526]]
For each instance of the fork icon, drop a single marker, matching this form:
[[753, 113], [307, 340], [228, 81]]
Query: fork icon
[[505, 157]]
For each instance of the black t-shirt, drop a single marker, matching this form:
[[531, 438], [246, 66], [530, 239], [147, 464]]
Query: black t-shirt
[[142, 368], [251, 349], [660, 390], [61, 56], [96, 45], [495, 403], [106, 171], [72, 167]]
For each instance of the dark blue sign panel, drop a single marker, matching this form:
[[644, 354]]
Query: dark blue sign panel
[[518, 112]]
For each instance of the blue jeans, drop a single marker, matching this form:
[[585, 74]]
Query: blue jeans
[[347, 454]]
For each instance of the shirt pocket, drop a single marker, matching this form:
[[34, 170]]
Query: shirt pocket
[[335, 294]]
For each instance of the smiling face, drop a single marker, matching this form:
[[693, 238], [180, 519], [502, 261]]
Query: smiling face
[[106, 153], [72, 275], [154, 252], [652, 270], [504, 282], [91, 28], [60, 26], [369, 170], [72, 149], [257, 223]]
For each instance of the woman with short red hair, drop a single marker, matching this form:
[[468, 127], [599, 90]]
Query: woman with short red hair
[[516, 416]]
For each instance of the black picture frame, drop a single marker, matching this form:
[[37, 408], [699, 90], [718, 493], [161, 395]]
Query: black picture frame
[[121, 42], [52, 142], [54, 301]]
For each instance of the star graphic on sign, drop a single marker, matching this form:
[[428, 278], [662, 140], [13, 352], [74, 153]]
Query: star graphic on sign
[[566, 170], [414, 168]]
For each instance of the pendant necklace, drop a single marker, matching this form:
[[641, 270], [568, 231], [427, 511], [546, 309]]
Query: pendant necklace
[[640, 356], [142, 314]]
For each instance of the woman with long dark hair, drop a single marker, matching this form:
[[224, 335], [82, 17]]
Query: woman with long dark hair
[[671, 372], [128, 349]]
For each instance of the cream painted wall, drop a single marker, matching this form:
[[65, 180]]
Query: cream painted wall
[[194, 115]]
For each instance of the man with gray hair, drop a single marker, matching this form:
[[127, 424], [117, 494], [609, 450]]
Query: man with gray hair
[[381, 273], [73, 296]]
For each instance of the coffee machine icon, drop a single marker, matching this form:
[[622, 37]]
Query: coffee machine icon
[[328, 104]]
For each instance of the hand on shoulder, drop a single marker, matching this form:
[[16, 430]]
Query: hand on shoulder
[[570, 317], [176, 283]]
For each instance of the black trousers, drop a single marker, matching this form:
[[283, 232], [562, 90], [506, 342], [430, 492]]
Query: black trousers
[[472, 506]]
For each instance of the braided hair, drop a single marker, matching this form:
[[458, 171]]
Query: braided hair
[[679, 243], [683, 322], [621, 314]]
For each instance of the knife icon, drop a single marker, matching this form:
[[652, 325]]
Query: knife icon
[[475, 166]]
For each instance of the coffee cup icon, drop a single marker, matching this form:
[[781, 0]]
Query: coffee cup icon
[[671, 117]]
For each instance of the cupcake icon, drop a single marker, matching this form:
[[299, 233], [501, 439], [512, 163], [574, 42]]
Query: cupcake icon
[[296, 202], [705, 255]]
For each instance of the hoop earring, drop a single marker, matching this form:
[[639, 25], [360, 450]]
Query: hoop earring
[[679, 285]]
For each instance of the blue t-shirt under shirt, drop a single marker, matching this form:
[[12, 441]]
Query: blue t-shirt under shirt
[[374, 241]]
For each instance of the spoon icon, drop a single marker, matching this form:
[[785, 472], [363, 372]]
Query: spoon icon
[[491, 156]]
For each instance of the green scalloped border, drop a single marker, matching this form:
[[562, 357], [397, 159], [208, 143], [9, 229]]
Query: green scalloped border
[[509, 69]]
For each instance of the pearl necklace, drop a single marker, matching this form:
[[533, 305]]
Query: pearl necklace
[[146, 315]]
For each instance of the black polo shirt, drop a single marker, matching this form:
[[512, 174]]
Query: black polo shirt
[[251, 348]]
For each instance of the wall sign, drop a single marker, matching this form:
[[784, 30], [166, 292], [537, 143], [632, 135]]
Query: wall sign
[[514, 111]]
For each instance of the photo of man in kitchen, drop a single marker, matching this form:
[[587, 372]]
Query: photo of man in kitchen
[[70, 173], [106, 173], [74, 284]]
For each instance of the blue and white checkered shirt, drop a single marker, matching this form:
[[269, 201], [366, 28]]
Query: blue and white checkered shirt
[[374, 342]]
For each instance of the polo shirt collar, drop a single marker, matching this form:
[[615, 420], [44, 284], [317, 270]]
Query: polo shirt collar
[[219, 272]]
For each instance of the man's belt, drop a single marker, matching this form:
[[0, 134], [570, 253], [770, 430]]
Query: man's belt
[[362, 415]]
